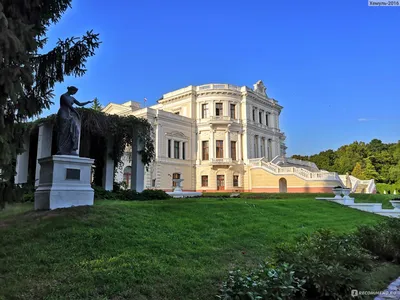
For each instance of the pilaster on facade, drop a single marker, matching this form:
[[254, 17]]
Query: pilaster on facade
[[187, 123]]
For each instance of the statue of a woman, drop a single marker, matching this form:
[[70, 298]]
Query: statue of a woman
[[68, 123]]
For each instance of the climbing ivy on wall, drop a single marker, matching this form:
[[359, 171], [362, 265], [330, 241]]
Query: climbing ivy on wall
[[97, 129]]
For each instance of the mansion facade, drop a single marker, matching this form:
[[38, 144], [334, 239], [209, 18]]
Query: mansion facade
[[220, 137], [205, 134]]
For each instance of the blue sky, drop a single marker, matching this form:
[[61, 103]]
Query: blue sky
[[333, 65]]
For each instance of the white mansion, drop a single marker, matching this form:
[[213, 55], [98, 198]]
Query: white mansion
[[220, 137], [206, 135]]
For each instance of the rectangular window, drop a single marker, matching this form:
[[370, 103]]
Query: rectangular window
[[218, 109], [260, 117], [175, 176], [204, 180], [254, 114], [169, 148], [183, 150], [233, 111], [233, 150], [235, 180], [266, 119], [204, 111], [205, 150], [176, 149], [219, 149], [153, 183]]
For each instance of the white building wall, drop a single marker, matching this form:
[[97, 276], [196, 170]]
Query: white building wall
[[189, 127]]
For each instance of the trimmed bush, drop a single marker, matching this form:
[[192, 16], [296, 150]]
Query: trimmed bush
[[383, 239], [380, 187], [129, 195], [265, 282], [154, 195]]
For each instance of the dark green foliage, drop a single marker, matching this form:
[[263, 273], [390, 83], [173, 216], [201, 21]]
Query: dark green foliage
[[268, 281], [373, 160], [331, 265], [154, 195], [381, 187], [129, 195], [27, 77], [383, 239]]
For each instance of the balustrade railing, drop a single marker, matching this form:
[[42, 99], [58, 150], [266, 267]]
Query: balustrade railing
[[220, 160], [303, 173], [219, 87]]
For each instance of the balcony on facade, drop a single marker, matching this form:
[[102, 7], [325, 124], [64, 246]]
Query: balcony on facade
[[218, 120], [222, 162]]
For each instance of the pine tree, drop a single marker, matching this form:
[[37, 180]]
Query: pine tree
[[27, 77], [97, 105], [358, 172]]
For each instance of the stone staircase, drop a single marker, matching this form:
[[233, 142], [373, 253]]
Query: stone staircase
[[302, 169], [361, 188]]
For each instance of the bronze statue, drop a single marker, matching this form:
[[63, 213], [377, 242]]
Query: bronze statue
[[68, 121]]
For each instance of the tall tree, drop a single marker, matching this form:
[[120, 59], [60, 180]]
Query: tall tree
[[27, 78], [97, 105], [369, 170], [358, 171]]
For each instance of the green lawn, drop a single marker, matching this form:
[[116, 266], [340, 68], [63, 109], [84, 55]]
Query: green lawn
[[173, 249]]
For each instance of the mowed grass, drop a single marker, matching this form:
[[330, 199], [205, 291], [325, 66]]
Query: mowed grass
[[173, 249]]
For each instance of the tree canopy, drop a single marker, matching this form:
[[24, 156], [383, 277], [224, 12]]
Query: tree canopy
[[27, 78], [373, 160], [96, 105]]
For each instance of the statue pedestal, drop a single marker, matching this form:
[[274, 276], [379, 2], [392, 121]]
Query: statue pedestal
[[64, 182]]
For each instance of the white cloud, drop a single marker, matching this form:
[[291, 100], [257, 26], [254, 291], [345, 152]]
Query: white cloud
[[365, 119]]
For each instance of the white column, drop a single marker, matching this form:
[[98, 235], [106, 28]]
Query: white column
[[199, 150], [172, 148], [108, 170], [134, 162], [266, 147], [269, 149], [245, 145], [139, 169], [259, 146], [211, 149], [23, 163], [180, 150], [157, 141], [44, 147], [239, 152], [275, 146], [227, 153]]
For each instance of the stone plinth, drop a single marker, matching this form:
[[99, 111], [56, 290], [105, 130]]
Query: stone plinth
[[64, 182]]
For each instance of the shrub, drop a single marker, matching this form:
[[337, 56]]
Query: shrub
[[129, 195], [101, 193], [382, 239], [265, 282], [26, 192], [380, 187], [154, 195], [331, 265]]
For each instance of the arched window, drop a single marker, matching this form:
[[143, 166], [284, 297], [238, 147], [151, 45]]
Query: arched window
[[282, 185]]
